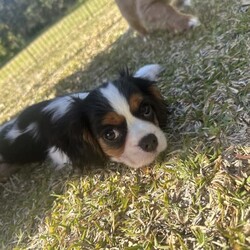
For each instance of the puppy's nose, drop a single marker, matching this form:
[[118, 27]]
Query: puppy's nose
[[148, 143]]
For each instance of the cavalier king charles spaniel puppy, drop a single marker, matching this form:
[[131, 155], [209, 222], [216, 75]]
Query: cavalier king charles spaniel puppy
[[147, 16], [120, 120]]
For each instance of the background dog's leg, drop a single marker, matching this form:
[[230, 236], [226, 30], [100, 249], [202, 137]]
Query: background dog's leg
[[136, 26], [128, 11], [162, 16]]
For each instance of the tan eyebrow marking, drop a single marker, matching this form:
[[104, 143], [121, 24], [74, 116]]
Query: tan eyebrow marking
[[134, 102], [155, 92], [112, 118]]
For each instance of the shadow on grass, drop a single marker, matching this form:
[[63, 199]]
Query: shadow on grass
[[27, 199], [127, 51]]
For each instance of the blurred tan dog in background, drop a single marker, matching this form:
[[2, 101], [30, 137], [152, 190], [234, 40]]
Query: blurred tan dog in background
[[147, 16]]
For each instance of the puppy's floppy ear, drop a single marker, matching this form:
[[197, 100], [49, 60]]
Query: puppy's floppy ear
[[73, 135], [159, 104]]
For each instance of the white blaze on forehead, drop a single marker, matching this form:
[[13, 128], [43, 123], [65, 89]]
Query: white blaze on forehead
[[149, 72], [117, 101]]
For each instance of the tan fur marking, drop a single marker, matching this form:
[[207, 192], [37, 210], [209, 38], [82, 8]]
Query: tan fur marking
[[111, 152], [87, 137], [134, 102], [112, 118], [155, 92]]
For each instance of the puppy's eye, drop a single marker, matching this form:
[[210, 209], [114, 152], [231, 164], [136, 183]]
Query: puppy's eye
[[111, 134], [146, 110]]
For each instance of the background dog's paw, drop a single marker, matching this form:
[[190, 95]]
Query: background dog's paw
[[181, 3], [149, 72], [187, 3], [193, 22]]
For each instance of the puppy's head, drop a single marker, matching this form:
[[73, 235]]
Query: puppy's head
[[125, 118]]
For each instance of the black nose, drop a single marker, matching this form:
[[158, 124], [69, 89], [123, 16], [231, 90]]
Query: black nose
[[149, 143]]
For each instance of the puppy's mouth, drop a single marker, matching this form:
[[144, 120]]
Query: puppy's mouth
[[139, 158]]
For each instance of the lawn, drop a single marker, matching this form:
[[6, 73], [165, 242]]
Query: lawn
[[196, 195]]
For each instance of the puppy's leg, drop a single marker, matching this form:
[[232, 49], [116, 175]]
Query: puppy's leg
[[161, 16], [6, 170]]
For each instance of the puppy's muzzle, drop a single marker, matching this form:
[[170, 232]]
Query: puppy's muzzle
[[148, 143]]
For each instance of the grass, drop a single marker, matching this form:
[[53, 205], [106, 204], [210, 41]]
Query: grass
[[51, 40], [196, 196]]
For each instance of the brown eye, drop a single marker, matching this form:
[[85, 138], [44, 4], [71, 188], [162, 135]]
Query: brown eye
[[111, 135], [146, 110]]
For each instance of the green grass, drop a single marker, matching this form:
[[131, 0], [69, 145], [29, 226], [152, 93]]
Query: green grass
[[51, 40], [197, 194]]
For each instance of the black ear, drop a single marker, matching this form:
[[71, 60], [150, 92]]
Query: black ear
[[159, 104], [72, 134]]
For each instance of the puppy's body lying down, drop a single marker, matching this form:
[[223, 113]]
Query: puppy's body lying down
[[147, 16], [119, 121]]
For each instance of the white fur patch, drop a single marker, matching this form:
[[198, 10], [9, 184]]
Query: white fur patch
[[149, 72], [133, 155], [80, 95], [15, 132], [187, 2], [58, 108], [193, 22], [33, 129], [11, 122], [61, 105], [58, 158]]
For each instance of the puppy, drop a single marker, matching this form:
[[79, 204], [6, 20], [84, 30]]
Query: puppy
[[119, 121], [147, 16]]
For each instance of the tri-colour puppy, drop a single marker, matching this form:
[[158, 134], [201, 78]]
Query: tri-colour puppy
[[119, 121], [147, 16]]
